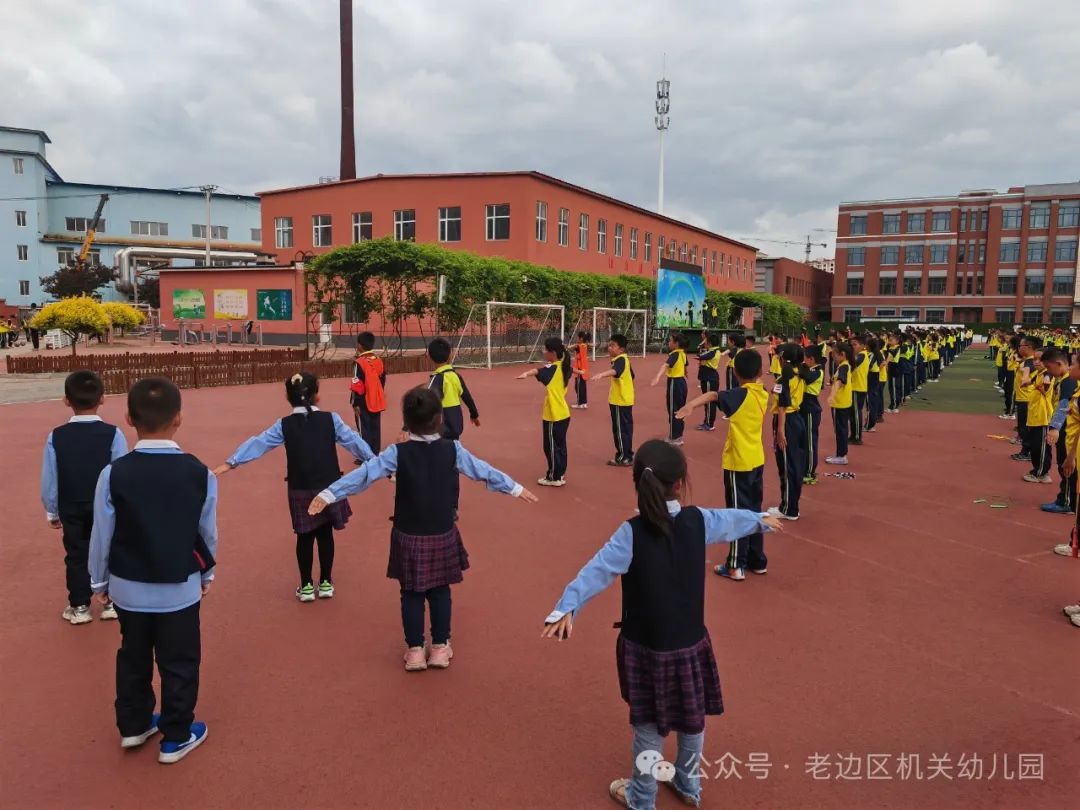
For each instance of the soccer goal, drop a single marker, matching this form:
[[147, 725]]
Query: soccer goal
[[501, 333], [603, 322]]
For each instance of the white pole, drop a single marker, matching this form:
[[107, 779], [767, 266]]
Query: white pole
[[489, 335], [594, 333], [562, 324], [660, 194], [645, 340], [208, 191]]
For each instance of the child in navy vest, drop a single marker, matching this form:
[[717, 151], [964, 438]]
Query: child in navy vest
[[310, 437], [152, 552], [427, 555], [75, 455], [667, 672]]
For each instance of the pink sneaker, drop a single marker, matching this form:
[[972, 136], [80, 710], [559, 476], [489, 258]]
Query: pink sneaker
[[440, 656], [414, 659]]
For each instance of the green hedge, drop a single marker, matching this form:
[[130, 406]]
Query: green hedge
[[397, 280]]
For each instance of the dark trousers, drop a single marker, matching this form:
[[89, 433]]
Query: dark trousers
[[875, 403], [920, 374], [896, 395], [791, 462], [813, 430], [412, 615], [676, 398], [710, 381], [581, 387], [453, 427], [622, 431], [909, 383], [730, 383], [1001, 372], [35, 337], [858, 407], [1010, 393], [746, 490], [555, 448], [174, 640], [1021, 427], [1067, 488], [77, 524], [1041, 453], [370, 425], [305, 552], [841, 423], [935, 369]]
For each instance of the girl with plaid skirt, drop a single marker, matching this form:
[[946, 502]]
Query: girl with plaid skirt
[[310, 437], [667, 672], [427, 555]]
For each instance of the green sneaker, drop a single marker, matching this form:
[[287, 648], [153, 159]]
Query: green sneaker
[[810, 480], [326, 589], [306, 593]]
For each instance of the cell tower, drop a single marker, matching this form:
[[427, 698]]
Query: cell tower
[[663, 121]]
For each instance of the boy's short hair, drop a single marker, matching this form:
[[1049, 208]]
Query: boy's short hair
[[422, 411], [748, 365], [739, 341], [439, 350], [153, 403], [619, 340], [1054, 356], [366, 341], [84, 390], [813, 351], [1032, 341]]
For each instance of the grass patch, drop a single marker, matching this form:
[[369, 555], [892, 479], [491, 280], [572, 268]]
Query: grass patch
[[967, 386]]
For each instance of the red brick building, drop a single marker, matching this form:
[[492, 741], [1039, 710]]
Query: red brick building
[[976, 257], [809, 287]]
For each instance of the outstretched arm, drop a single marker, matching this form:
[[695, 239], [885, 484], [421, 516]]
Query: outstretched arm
[[724, 525], [610, 562], [526, 374], [253, 448], [497, 481], [358, 480], [351, 441], [696, 402]]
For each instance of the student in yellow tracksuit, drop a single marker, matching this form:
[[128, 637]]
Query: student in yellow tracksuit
[[789, 430], [620, 401], [674, 369], [841, 399], [860, 386], [555, 377]]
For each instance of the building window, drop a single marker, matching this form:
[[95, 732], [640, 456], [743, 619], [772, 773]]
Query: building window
[[979, 284], [1069, 215], [497, 220], [890, 223], [633, 243], [1039, 216], [886, 286], [216, 231], [912, 285], [618, 239], [684, 252], [886, 313], [858, 225], [913, 254], [601, 236], [648, 246], [361, 226], [854, 286], [673, 248], [935, 285], [81, 224], [1065, 250], [963, 222], [24, 288], [1032, 316], [18, 165], [256, 234], [1006, 285], [1011, 218], [321, 232], [450, 224], [960, 283], [910, 314], [140, 228], [1062, 285], [22, 252], [1005, 315], [1034, 284], [704, 262], [1060, 317], [541, 221], [283, 236], [982, 253], [890, 254], [583, 232], [660, 247], [856, 256], [20, 219], [852, 315], [564, 227], [1036, 252], [693, 255], [65, 256], [916, 223], [714, 262], [730, 272], [1010, 252], [939, 254], [935, 316], [405, 225], [983, 218], [940, 221]]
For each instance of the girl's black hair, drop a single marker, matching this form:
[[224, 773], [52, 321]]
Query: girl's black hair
[[562, 357], [301, 388], [738, 341], [845, 349], [421, 409], [791, 355], [658, 468]]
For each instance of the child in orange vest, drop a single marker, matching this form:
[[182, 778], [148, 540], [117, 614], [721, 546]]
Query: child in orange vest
[[581, 370], [368, 391]]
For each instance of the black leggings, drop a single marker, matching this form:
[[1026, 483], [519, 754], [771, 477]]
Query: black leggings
[[305, 551], [412, 615]]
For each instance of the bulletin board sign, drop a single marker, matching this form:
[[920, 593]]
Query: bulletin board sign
[[230, 305], [274, 305], [188, 304]]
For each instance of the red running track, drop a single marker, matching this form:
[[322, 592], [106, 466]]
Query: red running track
[[897, 618]]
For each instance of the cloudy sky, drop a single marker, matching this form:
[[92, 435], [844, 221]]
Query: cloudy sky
[[780, 108]]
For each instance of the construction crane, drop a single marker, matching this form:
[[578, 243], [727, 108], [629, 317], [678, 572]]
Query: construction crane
[[91, 232]]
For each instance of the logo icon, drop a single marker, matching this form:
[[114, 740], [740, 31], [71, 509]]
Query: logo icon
[[652, 763]]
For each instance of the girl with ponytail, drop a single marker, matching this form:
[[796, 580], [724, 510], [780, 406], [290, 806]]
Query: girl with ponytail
[[310, 437], [555, 377], [666, 667]]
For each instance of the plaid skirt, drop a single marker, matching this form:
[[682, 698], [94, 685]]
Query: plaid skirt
[[422, 562], [336, 514], [673, 689]]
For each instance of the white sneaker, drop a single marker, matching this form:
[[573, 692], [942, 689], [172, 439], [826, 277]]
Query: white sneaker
[[139, 739], [676, 442], [1064, 549], [77, 615], [108, 612], [552, 482], [1075, 619], [841, 460], [1071, 610]]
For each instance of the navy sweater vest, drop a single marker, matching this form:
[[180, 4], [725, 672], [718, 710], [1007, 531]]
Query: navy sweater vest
[[424, 499], [83, 450], [310, 450]]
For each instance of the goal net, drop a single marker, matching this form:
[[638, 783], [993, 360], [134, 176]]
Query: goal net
[[603, 322], [501, 333]]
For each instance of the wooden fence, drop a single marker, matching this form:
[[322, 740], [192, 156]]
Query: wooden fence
[[201, 369]]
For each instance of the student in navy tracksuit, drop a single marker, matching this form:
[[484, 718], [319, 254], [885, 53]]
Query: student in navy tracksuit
[[75, 455], [152, 551], [708, 357]]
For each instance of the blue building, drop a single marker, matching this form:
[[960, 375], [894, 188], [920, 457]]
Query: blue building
[[43, 222]]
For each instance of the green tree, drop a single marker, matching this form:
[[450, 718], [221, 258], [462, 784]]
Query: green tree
[[69, 282], [150, 291]]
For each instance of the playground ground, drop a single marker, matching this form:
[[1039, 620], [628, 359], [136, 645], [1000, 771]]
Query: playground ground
[[899, 621]]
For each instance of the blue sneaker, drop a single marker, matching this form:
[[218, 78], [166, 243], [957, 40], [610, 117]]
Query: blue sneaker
[[1056, 508], [735, 574], [139, 739], [174, 751]]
